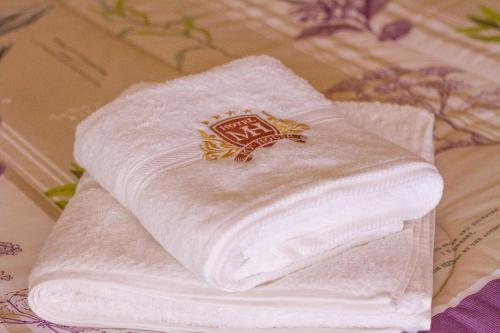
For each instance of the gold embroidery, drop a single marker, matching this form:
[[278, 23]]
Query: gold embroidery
[[286, 125], [240, 135]]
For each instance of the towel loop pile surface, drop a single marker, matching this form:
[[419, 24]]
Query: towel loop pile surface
[[243, 176], [236, 177]]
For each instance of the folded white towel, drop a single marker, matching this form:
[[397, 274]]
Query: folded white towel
[[240, 174], [99, 267]]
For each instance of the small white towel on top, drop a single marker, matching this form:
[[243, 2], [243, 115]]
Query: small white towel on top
[[99, 267], [240, 174]]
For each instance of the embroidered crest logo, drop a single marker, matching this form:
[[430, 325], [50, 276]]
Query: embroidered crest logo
[[240, 135]]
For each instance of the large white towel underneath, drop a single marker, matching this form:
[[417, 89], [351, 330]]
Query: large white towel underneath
[[245, 173], [100, 267]]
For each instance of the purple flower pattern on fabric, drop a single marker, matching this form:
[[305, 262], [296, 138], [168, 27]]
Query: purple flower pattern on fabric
[[327, 17], [8, 249], [434, 88], [14, 310], [479, 312], [15, 19]]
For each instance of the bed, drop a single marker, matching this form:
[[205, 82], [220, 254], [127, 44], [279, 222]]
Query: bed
[[61, 60]]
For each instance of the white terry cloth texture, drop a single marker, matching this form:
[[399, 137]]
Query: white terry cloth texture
[[240, 224], [100, 267]]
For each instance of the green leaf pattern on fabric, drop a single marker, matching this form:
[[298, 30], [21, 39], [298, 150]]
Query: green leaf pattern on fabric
[[486, 27], [138, 23], [61, 194]]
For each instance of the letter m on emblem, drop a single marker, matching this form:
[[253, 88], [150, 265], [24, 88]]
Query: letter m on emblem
[[241, 130]]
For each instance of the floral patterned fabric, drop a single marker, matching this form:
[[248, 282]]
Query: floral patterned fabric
[[61, 60]]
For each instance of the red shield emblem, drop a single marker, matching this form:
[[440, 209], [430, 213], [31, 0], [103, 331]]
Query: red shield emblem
[[242, 130], [241, 135]]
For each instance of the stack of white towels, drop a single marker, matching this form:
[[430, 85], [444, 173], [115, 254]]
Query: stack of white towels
[[241, 200]]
